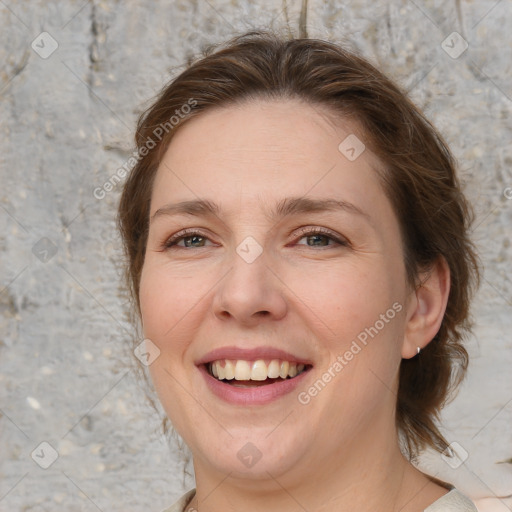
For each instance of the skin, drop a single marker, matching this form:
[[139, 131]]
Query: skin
[[306, 295]]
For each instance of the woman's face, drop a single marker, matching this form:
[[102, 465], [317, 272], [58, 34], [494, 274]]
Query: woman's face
[[252, 283]]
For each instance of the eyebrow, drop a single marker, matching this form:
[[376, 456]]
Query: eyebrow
[[286, 207]]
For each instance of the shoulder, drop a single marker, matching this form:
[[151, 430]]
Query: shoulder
[[181, 504], [453, 501]]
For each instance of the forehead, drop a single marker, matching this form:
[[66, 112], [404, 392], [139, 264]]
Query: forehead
[[266, 150]]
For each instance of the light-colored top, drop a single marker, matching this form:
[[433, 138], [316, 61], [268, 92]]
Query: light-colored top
[[453, 501]]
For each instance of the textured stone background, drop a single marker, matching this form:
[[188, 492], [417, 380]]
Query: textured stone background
[[67, 124]]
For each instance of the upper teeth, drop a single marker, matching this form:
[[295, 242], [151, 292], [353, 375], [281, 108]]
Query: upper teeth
[[257, 370]]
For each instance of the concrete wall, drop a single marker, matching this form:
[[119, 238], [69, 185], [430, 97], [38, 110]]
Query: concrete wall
[[67, 122]]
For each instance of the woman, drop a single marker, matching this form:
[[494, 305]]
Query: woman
[[298, 253]]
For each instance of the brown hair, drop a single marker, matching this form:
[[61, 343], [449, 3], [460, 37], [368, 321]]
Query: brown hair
[[418, 176]]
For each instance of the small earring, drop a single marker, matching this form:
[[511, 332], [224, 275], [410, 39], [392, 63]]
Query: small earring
[[419, 350]]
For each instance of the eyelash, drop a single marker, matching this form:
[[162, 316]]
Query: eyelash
[[172, 241]]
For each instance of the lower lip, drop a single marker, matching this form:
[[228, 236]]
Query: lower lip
[[258, 395]]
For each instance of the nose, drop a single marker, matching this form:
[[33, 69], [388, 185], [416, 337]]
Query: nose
[[250, 292]]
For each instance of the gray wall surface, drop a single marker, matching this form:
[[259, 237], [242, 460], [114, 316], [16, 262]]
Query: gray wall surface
[[74, 77]]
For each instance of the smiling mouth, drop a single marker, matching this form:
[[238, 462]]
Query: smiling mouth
[[245, 374]]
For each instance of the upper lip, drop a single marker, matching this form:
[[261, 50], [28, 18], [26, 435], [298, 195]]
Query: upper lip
[[250, 354]]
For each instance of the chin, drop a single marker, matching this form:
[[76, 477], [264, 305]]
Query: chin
[[253, 456]]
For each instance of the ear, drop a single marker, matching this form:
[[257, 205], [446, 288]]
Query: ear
[[426, 308]]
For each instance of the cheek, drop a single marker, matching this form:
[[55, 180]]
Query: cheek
[[174, 304], [167, 309], [359, 314], [165, 298], [153, 299], [346, 296]]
